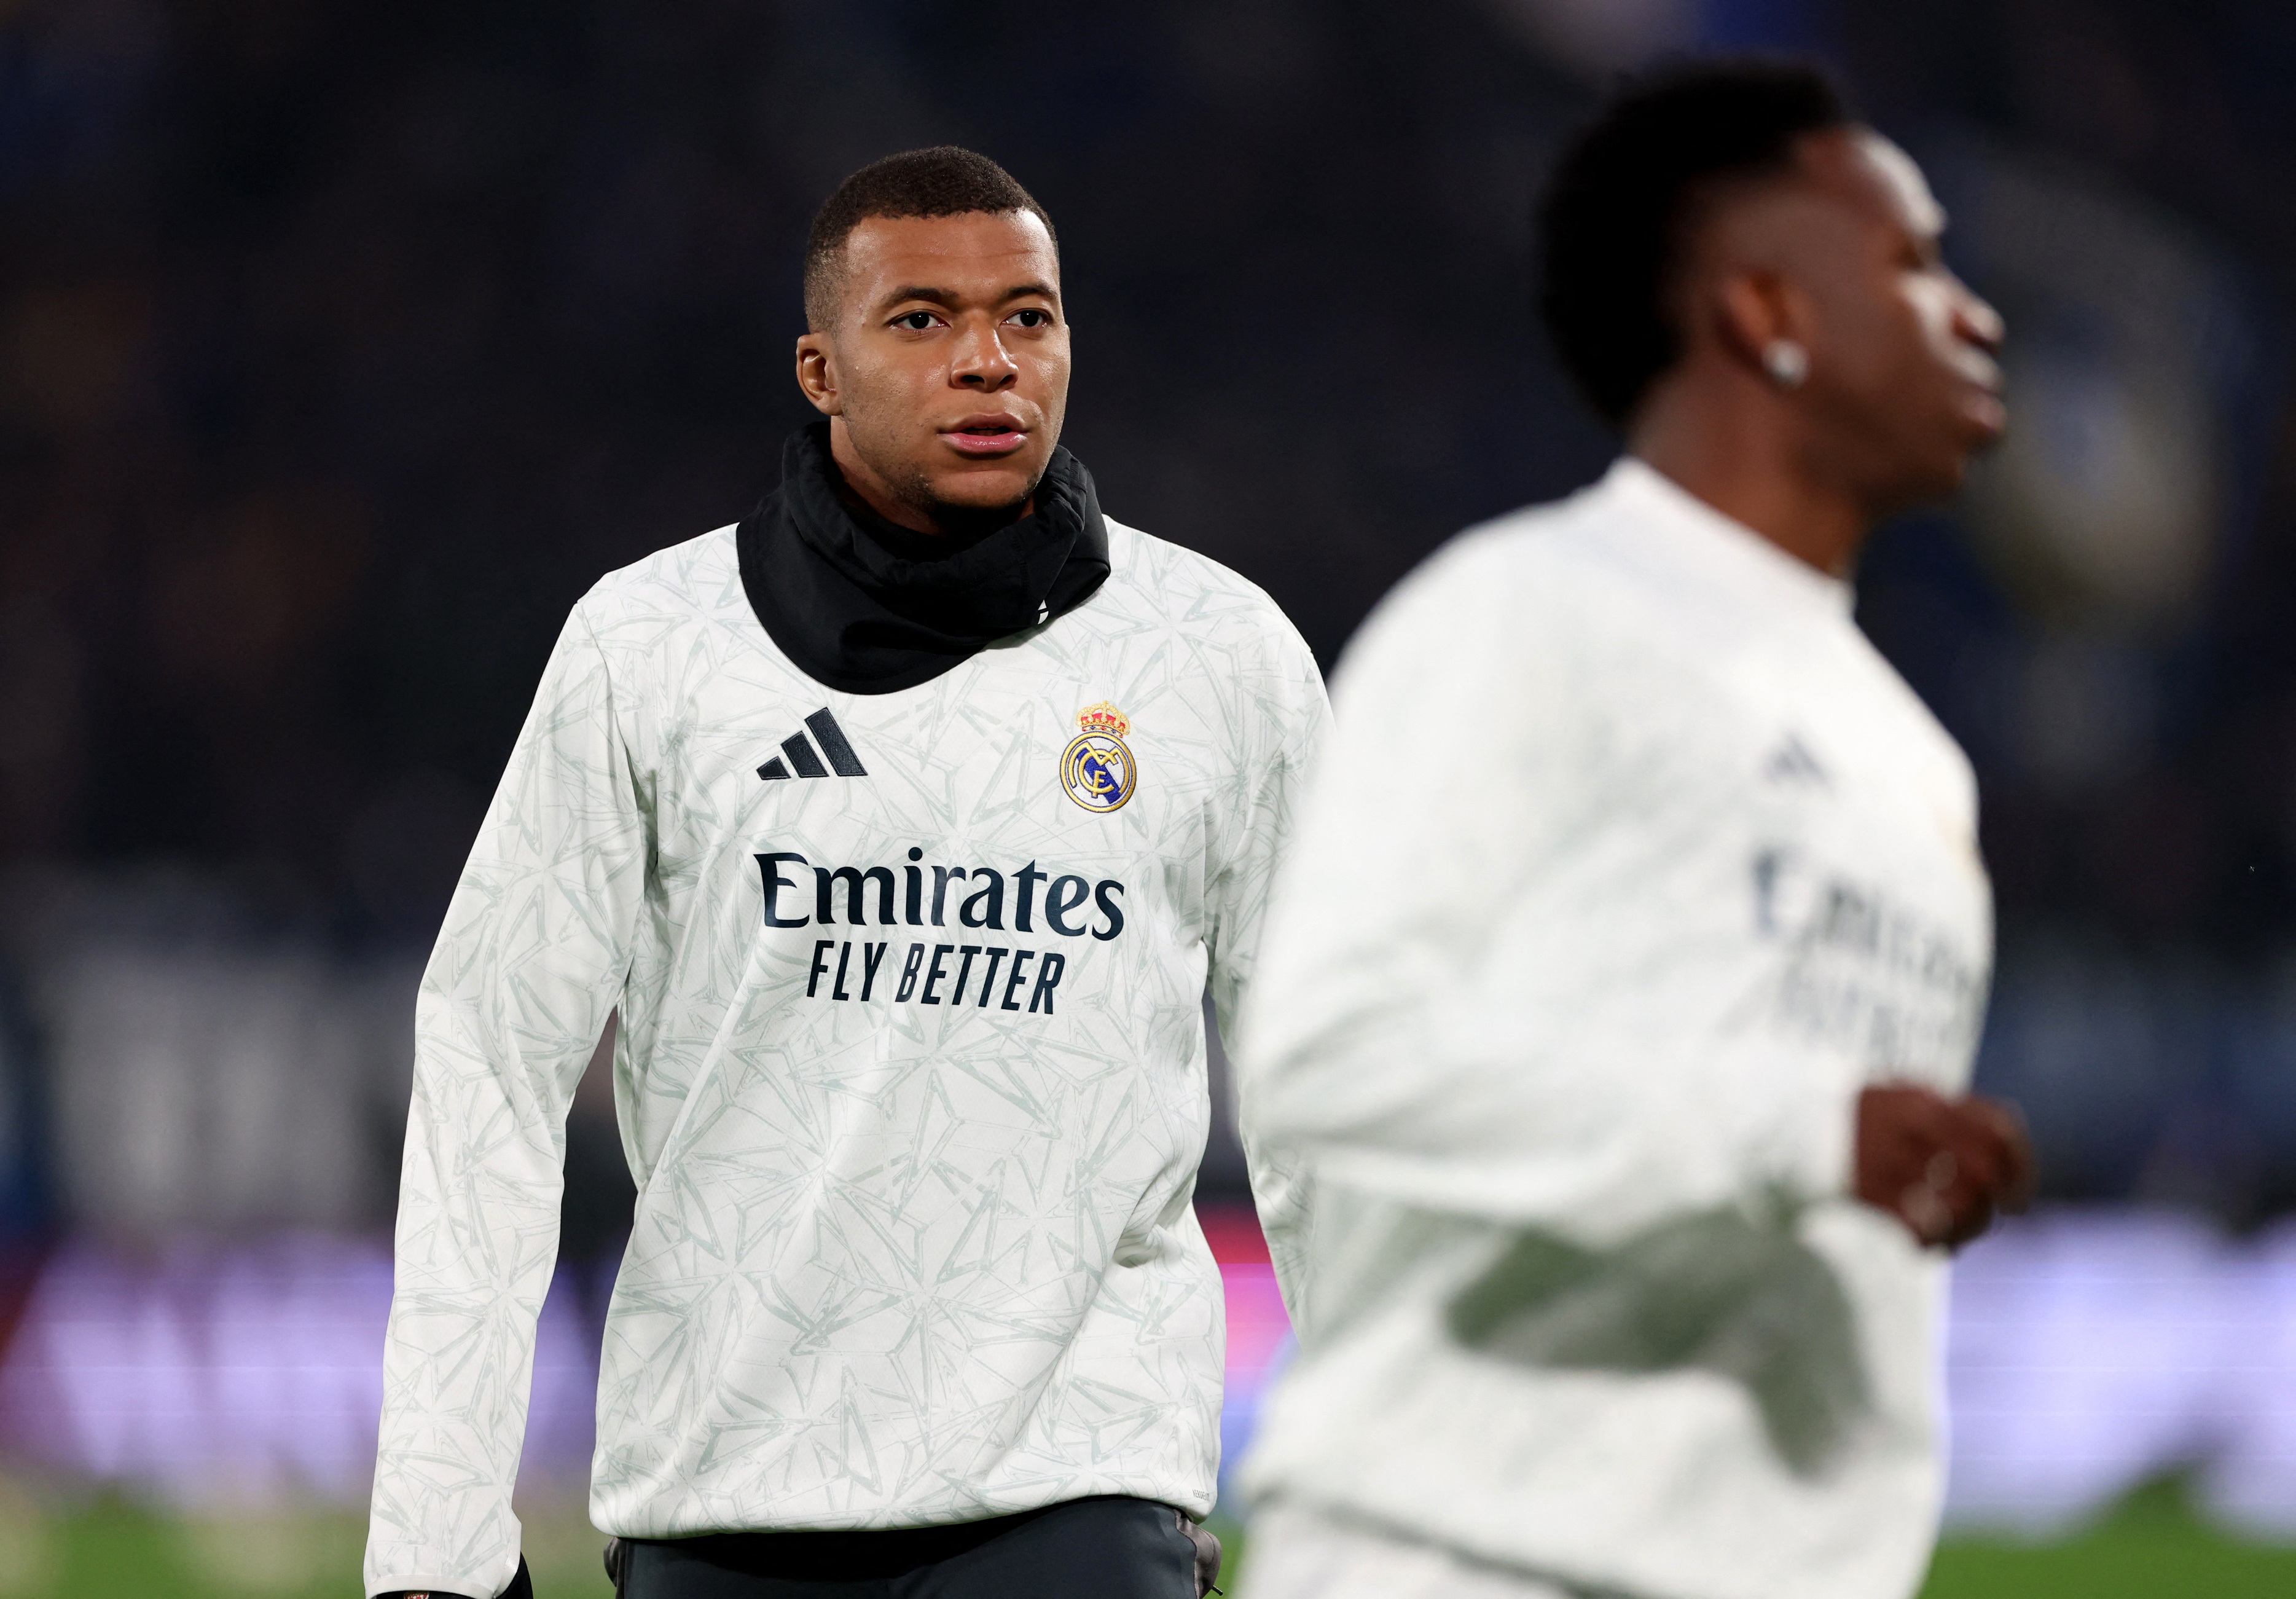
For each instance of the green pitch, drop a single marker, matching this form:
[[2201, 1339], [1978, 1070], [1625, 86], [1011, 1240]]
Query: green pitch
[[2152, 1547]]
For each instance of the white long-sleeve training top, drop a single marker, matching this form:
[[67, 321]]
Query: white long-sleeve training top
[[1632, 862], [910, 1069]]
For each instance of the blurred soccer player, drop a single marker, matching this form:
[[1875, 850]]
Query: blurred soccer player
[[904, 822], [1606, 1064]]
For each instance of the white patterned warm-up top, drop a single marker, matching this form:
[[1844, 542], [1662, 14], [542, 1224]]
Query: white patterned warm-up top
[[911, 1070]]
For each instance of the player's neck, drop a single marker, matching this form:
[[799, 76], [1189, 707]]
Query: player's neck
[[1740, 455]]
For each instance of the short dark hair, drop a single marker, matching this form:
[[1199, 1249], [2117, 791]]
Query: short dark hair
[[945, 180], [1615, 219]]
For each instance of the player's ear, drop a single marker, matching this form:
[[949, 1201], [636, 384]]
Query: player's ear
[[817, 374], [1753, 309]]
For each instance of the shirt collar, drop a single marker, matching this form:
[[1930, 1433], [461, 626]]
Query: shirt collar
[[1718, 547]]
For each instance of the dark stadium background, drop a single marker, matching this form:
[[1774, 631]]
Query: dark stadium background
[[342, 346]]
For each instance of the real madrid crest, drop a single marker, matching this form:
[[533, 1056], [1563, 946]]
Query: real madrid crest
[[1096, 769]]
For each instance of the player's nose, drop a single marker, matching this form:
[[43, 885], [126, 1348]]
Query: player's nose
[[1976, 320], [980, 360]]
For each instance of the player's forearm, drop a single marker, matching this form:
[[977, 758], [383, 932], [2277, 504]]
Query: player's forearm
[[531, 959], [477, 1243]]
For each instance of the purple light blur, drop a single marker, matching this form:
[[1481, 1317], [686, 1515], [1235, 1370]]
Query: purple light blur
[[2087, 1351]]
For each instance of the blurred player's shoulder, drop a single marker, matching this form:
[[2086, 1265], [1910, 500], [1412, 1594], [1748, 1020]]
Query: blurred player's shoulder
[[1531, 576]]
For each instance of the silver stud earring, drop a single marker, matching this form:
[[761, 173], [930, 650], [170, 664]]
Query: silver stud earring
[[1787, 363]]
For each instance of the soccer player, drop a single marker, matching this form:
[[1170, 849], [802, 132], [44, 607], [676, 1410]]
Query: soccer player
[[1612, 1033], [904, 823]]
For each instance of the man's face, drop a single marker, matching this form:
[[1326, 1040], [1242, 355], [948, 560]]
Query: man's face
[[946, 373], [1902, 379]]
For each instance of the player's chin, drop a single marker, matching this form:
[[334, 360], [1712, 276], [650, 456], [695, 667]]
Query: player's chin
[[987, 485], [1963, 433], [1983, 418], [1971, 443]]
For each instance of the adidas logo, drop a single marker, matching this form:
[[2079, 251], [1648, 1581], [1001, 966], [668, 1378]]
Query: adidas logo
[[1790, 762], [805, 763]]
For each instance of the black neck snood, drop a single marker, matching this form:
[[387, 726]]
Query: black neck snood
[[867, 608]]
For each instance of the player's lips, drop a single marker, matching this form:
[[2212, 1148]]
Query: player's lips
[[1981, 384], [991, 435], [1983, 406]]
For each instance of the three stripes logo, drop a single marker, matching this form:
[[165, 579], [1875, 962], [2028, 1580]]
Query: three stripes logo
[[802, 762], [1793, 763]]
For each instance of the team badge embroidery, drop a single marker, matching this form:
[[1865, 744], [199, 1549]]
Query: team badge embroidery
[[1096, 769]]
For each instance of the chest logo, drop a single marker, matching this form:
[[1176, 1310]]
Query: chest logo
[[1096, 769], [799, 752], [1792, 764]]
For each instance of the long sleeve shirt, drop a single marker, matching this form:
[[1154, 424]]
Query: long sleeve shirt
[[1632, 863], [911, 1070]]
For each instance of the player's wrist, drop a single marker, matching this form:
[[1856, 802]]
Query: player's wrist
[[521, 1586]]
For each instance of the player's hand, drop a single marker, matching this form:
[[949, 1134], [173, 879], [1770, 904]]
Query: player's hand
[[1943, 1166]]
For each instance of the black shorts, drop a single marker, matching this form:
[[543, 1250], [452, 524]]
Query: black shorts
[[1110, 1549]]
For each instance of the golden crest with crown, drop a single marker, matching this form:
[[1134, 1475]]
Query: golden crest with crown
[[1096, 769]]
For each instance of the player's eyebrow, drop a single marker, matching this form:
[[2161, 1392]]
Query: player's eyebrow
[[939, 297], [951, 299]]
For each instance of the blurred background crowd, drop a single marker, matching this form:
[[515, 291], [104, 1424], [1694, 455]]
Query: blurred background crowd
[[342, 346]]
